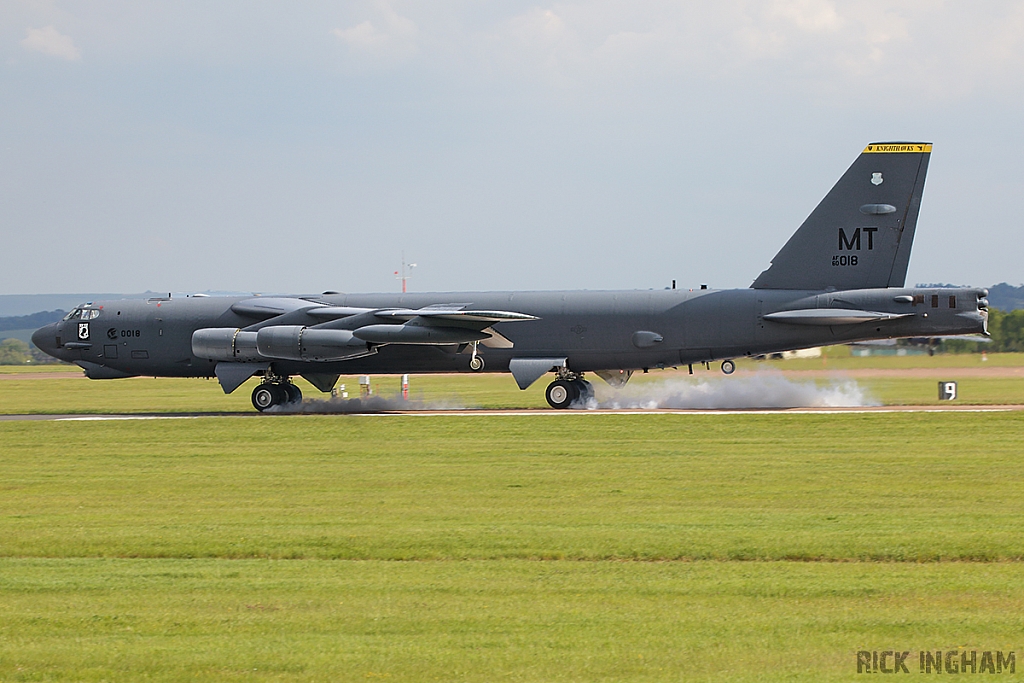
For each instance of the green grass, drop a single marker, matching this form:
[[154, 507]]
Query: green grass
[[158, 395], [970, 391], [171, 620], [39, 367], [917, 487], [479, 548], [161, 395], [839, 358]]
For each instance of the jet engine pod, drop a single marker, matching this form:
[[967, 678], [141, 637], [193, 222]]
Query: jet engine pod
[[225, 343], [295, 342], [331, 345], [279, 341]]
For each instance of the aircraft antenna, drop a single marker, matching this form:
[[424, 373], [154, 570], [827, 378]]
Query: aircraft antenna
[[403, 277]]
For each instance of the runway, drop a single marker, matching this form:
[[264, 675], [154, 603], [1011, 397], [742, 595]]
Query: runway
[[96, 417]]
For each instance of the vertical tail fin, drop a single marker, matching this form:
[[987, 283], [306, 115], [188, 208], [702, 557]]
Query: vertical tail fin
[[861, 233]]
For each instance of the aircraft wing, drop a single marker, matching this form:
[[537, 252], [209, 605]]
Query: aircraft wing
[[272, 306], [285, 331], [430, 313], [335, 312]]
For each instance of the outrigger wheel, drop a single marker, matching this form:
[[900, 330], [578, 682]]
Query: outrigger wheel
[[728, 367], [476, 363]]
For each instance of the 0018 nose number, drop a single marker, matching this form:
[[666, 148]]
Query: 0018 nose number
[[113, 333]]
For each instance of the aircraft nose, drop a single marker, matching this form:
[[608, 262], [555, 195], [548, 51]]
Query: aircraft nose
[[45, 337]]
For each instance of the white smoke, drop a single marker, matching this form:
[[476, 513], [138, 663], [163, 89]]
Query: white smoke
[[760, 390], [730, 393], [367, 404]]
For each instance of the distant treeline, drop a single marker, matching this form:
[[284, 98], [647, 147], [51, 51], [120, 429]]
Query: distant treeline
[[1006, 297], [1006, 328], [17, 352], [1003, 296], [29, 322]]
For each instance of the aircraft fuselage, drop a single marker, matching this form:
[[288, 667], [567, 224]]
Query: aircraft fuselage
[[593, 330]]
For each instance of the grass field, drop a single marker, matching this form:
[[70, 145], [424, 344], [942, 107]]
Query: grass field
[[533, 548], [158, 395], [839, 358], [304, 620], [148, 395]]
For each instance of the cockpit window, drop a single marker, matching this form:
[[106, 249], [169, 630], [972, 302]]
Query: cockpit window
[[83, 314]]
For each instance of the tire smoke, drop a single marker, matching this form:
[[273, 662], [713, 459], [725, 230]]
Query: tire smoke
[[754, 391], [368, 404], [760, 390]]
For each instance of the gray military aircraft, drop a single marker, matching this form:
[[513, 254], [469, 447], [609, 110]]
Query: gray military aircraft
[[838, 279]]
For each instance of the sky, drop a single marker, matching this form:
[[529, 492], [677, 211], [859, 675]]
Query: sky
[[302, 147]]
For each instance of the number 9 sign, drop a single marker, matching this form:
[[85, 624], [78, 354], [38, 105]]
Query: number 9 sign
[[947, 391]]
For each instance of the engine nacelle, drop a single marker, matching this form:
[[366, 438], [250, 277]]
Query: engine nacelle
[[225, 343], [295, 342]]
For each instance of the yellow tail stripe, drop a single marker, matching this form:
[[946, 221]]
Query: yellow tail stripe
[[914, 148]]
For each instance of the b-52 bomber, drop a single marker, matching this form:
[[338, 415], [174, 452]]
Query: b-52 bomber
[[839, 278]]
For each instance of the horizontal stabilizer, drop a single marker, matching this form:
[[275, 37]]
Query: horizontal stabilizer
[[831, 316]]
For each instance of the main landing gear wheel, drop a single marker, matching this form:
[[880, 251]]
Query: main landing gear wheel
[[268, 395], [271, 394], [728, 367], [585, 389], [476, 363], [294, 393], [561, 393]]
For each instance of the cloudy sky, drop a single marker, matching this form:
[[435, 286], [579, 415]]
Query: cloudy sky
[[257, 146]]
